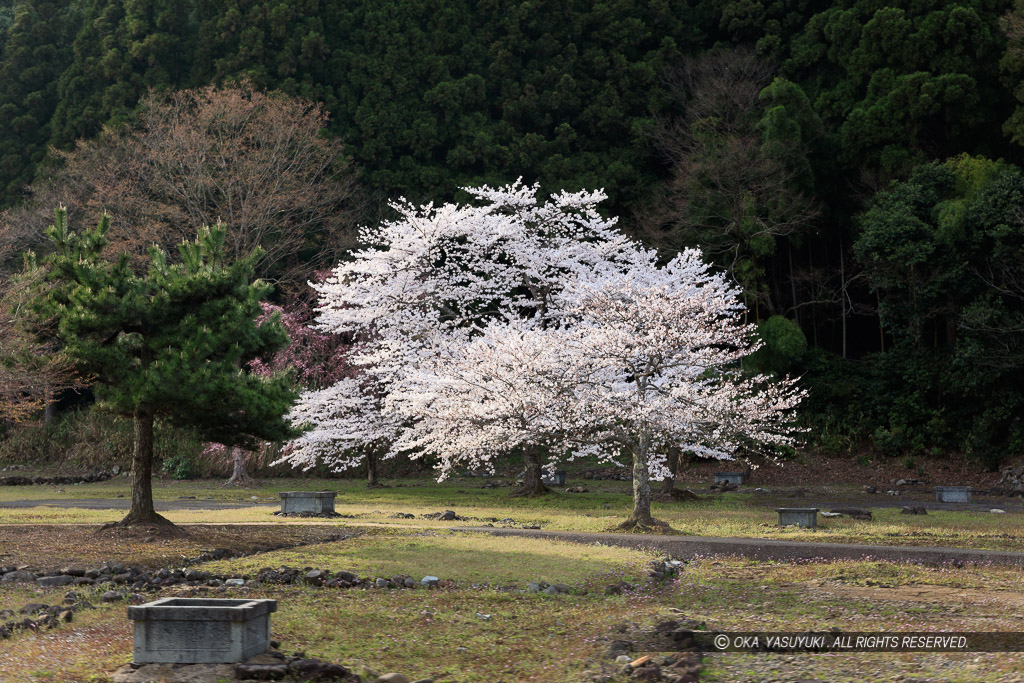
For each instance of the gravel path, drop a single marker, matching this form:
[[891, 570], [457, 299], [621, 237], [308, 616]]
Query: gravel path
[[768, 549]]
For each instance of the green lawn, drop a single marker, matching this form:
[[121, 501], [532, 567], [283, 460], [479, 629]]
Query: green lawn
[[601, 509]]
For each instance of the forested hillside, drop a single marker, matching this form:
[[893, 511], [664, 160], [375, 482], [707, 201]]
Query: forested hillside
[[853, 168]]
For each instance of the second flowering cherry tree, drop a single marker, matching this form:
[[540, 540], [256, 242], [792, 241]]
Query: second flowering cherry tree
[[639, 362]]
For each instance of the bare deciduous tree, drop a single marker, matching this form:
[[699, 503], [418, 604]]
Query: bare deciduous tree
[[256, 162], [32, 373]]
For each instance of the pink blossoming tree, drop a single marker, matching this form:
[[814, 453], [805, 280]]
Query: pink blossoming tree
[[517, 325]]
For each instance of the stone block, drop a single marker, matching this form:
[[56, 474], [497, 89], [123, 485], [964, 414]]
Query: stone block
[[953, 494], [805, 517], [556, 479], [316, 502], [734, 478], [201, 630]]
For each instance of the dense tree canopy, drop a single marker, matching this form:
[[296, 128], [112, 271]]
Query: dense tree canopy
[[834, 103]]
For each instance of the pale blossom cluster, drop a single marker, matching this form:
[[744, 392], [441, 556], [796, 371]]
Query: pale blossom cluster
[[514, 322]]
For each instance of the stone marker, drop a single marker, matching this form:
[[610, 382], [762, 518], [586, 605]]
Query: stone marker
[[953, 494], [201, 630], [734, 478], [556, 479], [805, 517], [317, 502]]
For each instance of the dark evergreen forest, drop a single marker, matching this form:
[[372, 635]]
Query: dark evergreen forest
[[854, 168]]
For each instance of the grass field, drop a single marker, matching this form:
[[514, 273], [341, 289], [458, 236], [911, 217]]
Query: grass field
[[536, 637], [524, 636], [605, 505]]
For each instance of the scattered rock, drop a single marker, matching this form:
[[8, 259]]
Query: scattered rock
[[393, 678], [62, 480], [913, 510], [112, 596], [854, 513], [870, 489], [577, 489], [18, 577], [997, 511], [430, 581], [51, 581], [315, 576]]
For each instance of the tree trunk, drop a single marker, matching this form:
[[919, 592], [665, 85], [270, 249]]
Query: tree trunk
[[239, 473], [371, 470], [641, 517], [142, 511], [532, 484], [668, 486], [49, 406]]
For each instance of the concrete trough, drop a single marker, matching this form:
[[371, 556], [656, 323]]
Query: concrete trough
[[805, 517], [953, 494], [317, 502], [556, 479], [735, 478], [201, 630]]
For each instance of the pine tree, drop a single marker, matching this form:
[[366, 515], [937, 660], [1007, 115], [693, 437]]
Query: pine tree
[[173, 343]]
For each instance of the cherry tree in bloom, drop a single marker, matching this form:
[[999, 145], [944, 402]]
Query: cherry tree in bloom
[[438, 274], [316, 358], [637, 362], [521, 325]]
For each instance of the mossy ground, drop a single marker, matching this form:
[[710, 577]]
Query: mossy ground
[[529, 636]]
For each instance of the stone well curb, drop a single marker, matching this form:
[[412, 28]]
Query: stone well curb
[[685, 547]]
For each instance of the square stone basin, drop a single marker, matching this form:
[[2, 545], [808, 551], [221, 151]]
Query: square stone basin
[[556, 479], [805, 517], [316, 502], [736, 478], [201, 630], [953, 494]]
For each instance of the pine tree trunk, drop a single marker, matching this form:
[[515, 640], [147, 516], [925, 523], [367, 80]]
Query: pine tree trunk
[[142, 511], [641, 517], [371, 470], [239, 473], [532, 483]]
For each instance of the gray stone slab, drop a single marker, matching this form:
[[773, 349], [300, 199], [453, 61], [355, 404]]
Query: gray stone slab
[[201, 630], [736, 478], [805, 517], [317, 502], [953, 494]]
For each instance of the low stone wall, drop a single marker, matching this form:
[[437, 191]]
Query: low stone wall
[[60, 480]]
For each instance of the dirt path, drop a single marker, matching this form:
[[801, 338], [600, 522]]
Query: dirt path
[[766, 549]]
